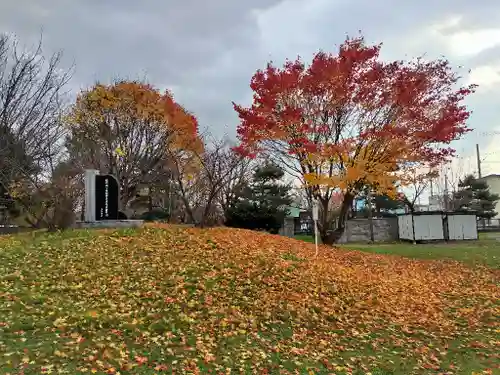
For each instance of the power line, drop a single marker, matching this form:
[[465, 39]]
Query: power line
[[483, 155], [487, 134], [478, 161]]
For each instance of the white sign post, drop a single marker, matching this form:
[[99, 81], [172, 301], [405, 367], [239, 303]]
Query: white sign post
[[315, 214]]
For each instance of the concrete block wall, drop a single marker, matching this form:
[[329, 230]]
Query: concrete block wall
[[358, 230], [13, 230], [288, 228]]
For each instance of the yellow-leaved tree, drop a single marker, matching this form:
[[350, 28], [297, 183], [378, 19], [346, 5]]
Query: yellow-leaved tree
[[130, 129]]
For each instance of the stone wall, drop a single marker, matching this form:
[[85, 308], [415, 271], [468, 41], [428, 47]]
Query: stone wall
[[288, 228], [358, 230], [13, 229]]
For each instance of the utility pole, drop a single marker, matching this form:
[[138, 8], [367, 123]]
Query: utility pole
[[446, 191], [478, 161]]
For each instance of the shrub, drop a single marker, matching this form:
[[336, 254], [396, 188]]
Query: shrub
[[156, 214]]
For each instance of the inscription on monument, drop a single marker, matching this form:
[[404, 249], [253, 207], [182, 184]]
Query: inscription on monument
[[106, 197]]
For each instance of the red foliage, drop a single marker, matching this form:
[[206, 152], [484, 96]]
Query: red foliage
[[349, 120], [346, 100], [336, 199]]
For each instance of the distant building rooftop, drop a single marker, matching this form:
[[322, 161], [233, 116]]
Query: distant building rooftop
[[294, 211]]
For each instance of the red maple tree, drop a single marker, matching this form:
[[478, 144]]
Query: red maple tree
[[348, 120]]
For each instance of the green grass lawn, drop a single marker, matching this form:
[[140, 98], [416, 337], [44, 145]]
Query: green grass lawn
[[164, 299], [485, 251]]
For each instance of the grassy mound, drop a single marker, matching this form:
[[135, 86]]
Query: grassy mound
[[163, 299]]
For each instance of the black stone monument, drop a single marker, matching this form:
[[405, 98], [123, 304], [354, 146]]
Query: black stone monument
[[106, 197]]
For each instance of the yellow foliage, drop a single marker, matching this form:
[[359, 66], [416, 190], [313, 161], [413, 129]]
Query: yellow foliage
[[351, 166], [125, 105], [119, 151], [161, 266]]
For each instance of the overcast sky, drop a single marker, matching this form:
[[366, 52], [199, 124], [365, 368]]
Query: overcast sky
[[206, 51]]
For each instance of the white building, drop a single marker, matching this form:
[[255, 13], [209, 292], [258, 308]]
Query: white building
[[493, 181], [436, 203]]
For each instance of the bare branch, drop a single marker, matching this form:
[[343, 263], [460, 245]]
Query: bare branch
[[31, 111], [207, 180]]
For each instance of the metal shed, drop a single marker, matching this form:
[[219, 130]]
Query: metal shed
[[460, 226], [421, 226]]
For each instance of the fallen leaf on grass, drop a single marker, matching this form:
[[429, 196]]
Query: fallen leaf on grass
[[163, 298]]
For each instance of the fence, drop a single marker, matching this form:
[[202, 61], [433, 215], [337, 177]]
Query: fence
[[488, 225], [358, 230]]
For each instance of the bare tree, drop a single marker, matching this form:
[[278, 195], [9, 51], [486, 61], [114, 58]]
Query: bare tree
[[51, 204], [31, 94], [416, 182], [31, 109], [205, 180], [240, 174]]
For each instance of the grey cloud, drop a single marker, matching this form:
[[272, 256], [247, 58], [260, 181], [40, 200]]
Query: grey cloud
[[208, 50], [171, 43], [488, 56]]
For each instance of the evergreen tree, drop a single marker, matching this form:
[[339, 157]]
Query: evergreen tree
[[261, 205], [384, 204], [381, 204], [474, 195]]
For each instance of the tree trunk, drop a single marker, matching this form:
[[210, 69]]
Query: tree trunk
[[82, 213], [370, 215], [323, 222], [409, 204], [150, 202], [51, 228], [206, 211], [187, 211], [329, 237]]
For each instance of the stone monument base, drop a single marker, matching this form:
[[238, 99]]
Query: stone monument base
[[109, 224]]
